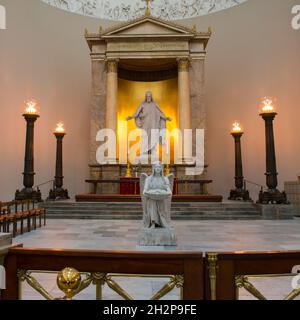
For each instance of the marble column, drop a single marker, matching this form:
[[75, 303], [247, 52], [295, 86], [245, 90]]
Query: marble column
[[112, 95], [184, 107], [198, 111], [184, 94], [98, 110]]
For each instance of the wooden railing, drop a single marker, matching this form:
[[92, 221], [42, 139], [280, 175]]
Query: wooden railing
[[228, 272], [216, 276], [13, 212], [185, 269]]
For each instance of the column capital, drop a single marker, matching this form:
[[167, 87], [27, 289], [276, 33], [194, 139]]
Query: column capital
[[183, 64], [112, 65]]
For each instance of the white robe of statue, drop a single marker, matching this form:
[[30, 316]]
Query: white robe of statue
[[156, 194], [148, 116]]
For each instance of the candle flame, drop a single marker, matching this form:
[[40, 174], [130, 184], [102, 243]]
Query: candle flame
[[236, 127], [60, 128], [267, 105], [31, 107]]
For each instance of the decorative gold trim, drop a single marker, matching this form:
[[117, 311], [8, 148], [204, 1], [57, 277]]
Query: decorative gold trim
[[24, 275], [292, 295], [167, 170], [212, 268], [183, 65], [243, 282], [128, 171], [112, 66], [148, 8], [176, 281], [114, 286], [70, 281]]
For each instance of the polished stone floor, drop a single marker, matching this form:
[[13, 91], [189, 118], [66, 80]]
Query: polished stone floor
[[192, 235]]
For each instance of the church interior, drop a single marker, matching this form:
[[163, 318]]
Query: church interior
[[150, 150]]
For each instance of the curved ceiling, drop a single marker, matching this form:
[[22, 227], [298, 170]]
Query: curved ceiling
[[122, 10]]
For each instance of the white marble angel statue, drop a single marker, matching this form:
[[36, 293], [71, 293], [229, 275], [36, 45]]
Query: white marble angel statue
[[156, 194]]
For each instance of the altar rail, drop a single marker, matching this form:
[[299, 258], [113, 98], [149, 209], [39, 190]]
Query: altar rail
[[13, 212], [228, 272], [215, 276], [185, 269]]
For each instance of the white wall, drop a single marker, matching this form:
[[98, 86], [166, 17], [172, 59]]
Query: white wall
[[253, 52]]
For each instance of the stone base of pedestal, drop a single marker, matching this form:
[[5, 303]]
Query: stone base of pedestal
[[292, 189], [276, 211], [29, 194], [58, 194], [157, 237], [272, 196], [5, 240], [239, 194]]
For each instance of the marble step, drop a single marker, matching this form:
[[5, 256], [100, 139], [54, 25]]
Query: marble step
[[135, 204], [139, 217], [119, 205], [131, 208], [133, 211], [139, 212]]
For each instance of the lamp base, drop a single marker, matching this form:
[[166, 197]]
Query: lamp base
[[239, 194], [273, 196], [29, 194], [58, 194]]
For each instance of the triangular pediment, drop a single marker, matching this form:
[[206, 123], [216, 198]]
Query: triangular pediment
[[148, 25]]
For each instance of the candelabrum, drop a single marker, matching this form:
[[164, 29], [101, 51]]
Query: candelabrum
[[239, 193], [272, 194], [128, 171], [28, 192], [58, 192]]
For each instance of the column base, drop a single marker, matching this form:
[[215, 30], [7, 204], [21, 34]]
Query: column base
[[239, 194], [272, 196], [58, 194], [29, 194], [276, 211]]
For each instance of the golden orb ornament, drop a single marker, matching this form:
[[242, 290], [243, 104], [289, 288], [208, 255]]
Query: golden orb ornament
[[68, 281]]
